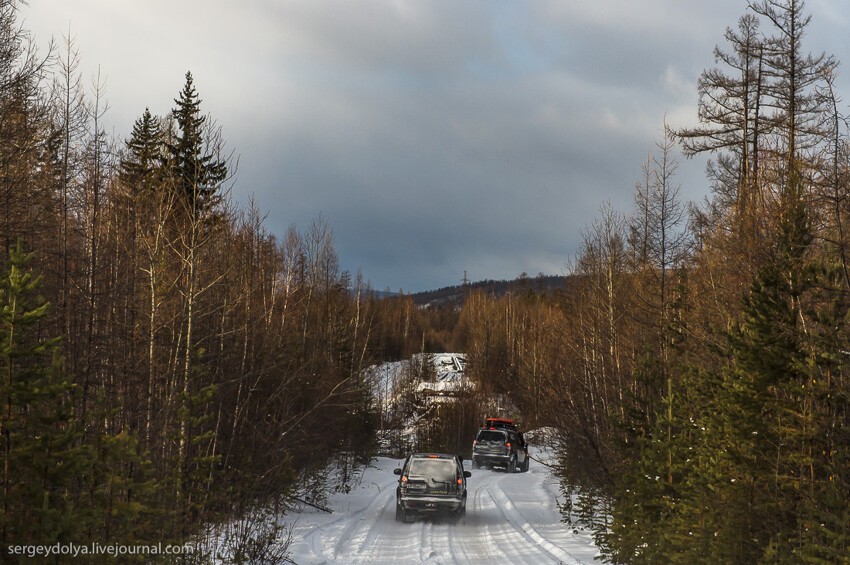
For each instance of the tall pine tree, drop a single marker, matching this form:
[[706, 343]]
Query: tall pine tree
[[197, 169], [141, 164]]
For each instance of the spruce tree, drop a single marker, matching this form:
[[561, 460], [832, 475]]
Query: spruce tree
[[751, 438], [42, 455], [142, 161], [196, 169]]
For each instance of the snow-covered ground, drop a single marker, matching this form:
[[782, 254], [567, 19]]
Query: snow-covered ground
[[511, 518], [449, 370]]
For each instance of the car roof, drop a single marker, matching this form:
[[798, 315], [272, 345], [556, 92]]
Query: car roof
[[432, 456], [500, 430]]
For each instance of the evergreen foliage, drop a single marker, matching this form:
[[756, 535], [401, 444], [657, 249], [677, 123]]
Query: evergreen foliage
[[203, 364], [697, 373], [196, 169], [42, 456], [141, 166], [703, 402]]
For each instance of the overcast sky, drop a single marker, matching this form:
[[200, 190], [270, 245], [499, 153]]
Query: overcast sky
[[435, 137]]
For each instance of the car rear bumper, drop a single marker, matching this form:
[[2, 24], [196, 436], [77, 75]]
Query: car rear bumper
[[430, 503], [491, 459]]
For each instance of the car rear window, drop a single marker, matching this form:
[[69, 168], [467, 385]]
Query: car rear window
[[436, 469], [491, 435]]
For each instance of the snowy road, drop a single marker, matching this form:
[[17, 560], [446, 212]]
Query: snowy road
[[511, 518]]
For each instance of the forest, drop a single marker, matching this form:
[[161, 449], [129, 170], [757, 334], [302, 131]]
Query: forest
[[697, 369], [167, 364]]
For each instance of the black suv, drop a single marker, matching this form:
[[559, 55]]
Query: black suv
[[500, 448], [431, 483]]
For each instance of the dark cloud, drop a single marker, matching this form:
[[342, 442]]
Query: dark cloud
[[435, 137]]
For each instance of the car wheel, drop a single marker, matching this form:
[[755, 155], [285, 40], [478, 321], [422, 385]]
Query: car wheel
[[400, 514], [512, 466], [475, 464], [525, 464]]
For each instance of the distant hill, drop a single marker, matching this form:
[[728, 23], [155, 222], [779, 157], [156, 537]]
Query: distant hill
[[456, 294], [382, 293]]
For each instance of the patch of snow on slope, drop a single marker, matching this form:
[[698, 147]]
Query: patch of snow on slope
[[387, 379]]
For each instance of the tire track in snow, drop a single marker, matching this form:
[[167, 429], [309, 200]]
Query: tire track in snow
[[476, 518], [510, 519], [522, 526], [426, 544], [368, 515], [376, 528], [314, 536], [457, 551]]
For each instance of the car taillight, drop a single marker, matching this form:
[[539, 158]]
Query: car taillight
[[460, 481], [474, 442], [508, 445], [404, 479]]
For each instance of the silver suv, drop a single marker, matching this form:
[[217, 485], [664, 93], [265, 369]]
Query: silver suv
[[498, 447]]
